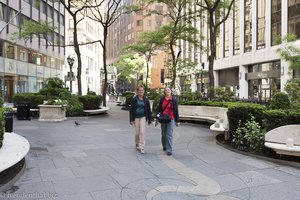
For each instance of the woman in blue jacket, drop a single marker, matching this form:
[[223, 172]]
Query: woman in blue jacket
[[139, 115]]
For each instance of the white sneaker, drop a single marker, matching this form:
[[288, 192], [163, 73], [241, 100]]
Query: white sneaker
[[142, 151]]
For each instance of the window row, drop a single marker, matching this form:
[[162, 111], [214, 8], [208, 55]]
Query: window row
[[9, 50]]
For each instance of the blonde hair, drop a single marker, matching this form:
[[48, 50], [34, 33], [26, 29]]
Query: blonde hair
[[140, 86]]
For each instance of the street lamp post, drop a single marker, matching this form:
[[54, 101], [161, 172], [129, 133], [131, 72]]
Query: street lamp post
[[70, 62]]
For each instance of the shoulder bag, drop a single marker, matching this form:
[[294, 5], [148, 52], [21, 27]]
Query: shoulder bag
[[164, 118]]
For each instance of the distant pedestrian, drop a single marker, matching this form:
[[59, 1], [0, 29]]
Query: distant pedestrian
[[168, 106], [139, 115]]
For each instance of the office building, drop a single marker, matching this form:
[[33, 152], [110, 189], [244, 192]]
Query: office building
[[24, 66]]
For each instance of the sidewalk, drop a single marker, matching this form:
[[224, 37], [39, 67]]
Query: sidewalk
[[97, 160]]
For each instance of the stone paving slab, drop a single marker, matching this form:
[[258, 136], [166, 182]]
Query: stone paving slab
[[97, 160]]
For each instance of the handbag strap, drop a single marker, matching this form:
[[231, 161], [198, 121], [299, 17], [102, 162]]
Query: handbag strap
[[165, 107]]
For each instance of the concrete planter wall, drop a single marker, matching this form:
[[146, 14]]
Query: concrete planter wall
[[52, 113]]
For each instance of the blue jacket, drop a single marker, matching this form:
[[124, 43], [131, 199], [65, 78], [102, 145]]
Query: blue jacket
[[174, 106], [132, 111]]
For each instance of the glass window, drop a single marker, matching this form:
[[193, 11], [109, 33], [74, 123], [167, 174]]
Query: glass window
[[275, 20], [44, 7], [12, 16], [236, 32], [139, 22], [22, 54], [9, 50], [1, 48], [50, 11], [62, 19], [294, 17], [248, 25], [2, 11], [71, 23], [261, 23], [56, 16], [226, 38]]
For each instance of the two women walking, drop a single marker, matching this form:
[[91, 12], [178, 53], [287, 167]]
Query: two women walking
[[140, 114]]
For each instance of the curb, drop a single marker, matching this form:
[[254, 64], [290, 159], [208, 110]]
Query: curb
[[278, 161], [10, 183]]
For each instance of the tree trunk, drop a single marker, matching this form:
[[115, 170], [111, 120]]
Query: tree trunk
[[104, 66], [77, 51], [147, 73], [173, 67], [212, 55]]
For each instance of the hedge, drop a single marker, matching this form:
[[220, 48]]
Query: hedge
[[206, 103], [33, 99], [90, 102], [243, 111]]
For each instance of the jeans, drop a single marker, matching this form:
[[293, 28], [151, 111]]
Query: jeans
[[167, 135]]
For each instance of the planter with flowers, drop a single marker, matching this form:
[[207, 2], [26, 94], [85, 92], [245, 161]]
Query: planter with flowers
[[53, 110], [55, 104]]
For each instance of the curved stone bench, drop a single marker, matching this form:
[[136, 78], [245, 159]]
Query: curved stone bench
[[215, 115], [14, 149], [102, 110], [284, 140], [12, 158]]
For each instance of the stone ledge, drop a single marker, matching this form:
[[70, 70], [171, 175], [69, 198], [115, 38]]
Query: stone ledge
[[284, 149], [102, 110]]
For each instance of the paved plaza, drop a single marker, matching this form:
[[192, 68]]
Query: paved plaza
[[97, 160]]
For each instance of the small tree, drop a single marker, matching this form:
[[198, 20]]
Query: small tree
[[148, 43], [178, 29], [107, 14], [292, 88], [289, 52], [127, 66], [30, 28]]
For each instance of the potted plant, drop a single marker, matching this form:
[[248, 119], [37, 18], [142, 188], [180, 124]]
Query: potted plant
[[54, 107]]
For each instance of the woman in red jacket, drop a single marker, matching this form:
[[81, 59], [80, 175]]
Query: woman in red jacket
[[168, 106]]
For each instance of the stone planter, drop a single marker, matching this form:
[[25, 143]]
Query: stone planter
[[52, 113]]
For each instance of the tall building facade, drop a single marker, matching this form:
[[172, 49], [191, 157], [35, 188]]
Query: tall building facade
[[24, 66], [247, 60], [125, 31], [88, 31]]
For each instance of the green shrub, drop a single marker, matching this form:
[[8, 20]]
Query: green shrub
[[239, 137], [274, 119], [54, 89], [292, 88], [33, 99], [293, 116], [206, 103], [74, 107], [243, 111], [90, 102], [188, 95], [249, 136], [224, 94], [280, 101], [254, 135], [128, 96], [277, 118]]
